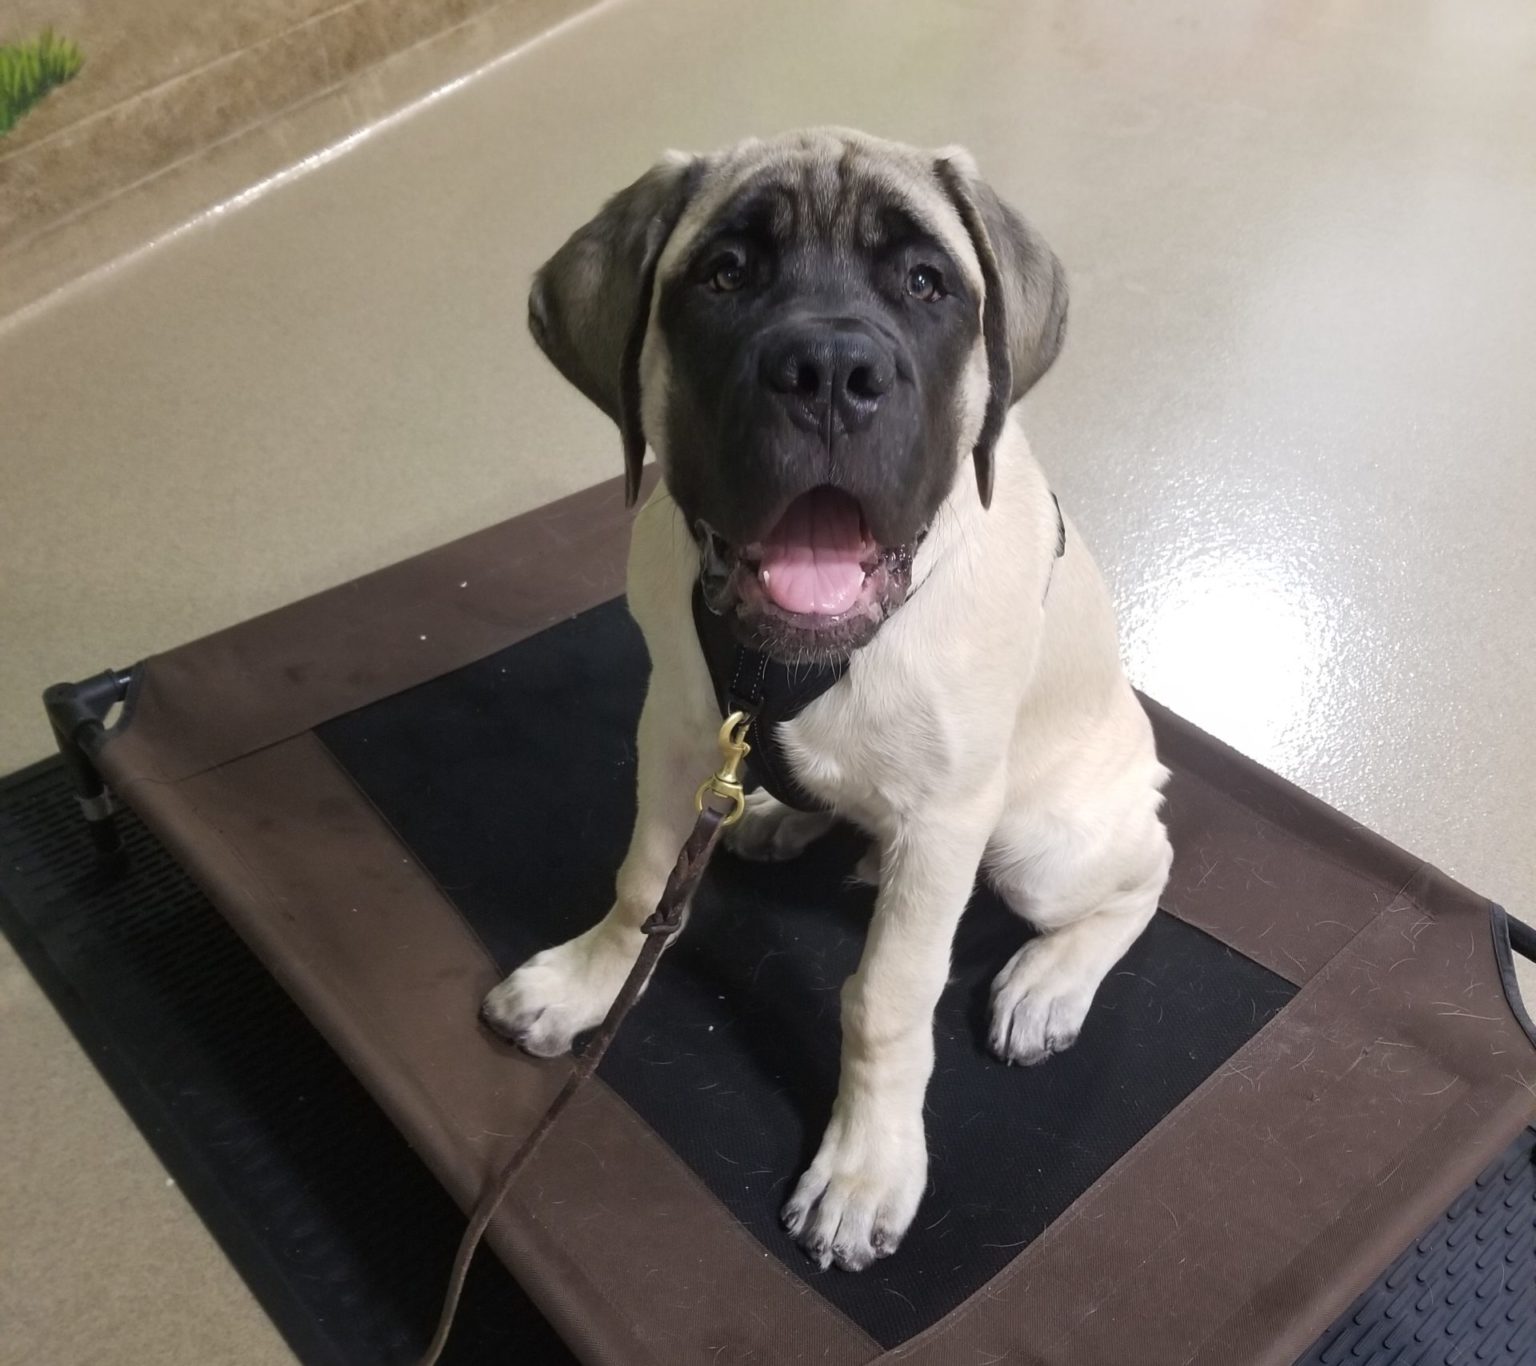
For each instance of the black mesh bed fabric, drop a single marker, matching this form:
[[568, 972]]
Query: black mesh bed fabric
[[512, 782]]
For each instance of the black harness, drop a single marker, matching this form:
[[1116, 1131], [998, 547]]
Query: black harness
[[772, 693]]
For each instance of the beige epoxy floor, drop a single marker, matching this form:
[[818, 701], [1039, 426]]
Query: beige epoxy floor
[[101, 1259], [1294, 417]]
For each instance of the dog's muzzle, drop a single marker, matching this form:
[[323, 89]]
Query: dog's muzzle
[[816, 586]]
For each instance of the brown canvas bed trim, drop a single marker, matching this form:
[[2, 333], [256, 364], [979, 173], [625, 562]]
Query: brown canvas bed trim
[[1258, 1209], [286, 672]]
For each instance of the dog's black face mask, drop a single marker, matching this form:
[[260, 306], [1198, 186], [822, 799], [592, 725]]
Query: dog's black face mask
[[817, 336], [812, 414]]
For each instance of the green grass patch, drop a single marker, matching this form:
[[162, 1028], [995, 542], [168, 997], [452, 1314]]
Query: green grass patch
[[28, 71]]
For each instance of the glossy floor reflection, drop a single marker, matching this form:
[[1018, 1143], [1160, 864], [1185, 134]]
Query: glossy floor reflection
[[1244, 643], [1294, 416]]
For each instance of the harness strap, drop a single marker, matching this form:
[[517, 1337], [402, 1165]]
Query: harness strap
[[750, 681]]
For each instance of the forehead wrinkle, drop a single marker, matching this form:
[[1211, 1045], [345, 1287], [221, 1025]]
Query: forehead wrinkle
[[763, 205], [768, 201], [773, 206], [836, 197], [820, 193], [930, 210], [878, 187]]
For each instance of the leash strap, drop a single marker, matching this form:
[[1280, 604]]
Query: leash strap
[[659, 928]]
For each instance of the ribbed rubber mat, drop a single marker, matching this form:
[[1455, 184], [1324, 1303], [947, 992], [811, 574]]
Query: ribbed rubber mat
[[1465, 1293], [343, 1236]]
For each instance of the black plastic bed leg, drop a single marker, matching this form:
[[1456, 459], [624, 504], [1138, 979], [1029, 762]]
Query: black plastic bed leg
[[1522, 937], [77, 712]]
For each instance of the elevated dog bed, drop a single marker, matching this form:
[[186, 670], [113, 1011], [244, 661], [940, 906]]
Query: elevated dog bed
[[396, 790]]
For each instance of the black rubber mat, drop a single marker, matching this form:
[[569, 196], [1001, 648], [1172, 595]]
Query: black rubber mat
[[1465, 1293], [512, 782], [343, 1236]]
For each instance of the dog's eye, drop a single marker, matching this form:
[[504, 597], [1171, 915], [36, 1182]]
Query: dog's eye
[[728, 274], [925, 283]]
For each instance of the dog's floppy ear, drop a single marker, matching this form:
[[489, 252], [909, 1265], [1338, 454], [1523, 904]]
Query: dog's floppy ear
[[1024, 317], [591, 302]]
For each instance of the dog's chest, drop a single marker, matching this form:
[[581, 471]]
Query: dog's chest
[[874, 745]]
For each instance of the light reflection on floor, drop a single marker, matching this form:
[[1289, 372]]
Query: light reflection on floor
[[1242, 642]]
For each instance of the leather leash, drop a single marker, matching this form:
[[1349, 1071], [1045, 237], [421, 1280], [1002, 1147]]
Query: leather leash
[[659, 928]]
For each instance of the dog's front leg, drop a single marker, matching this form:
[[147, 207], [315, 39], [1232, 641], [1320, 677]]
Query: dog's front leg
[[859, 1195], [559, 993]]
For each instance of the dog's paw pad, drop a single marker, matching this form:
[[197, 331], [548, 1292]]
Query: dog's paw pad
[[544, 1031], [1037, 1010], [1025, 1046], [792, 1216], [854, 1256], [857, 1199], [885, 1240], [555, 996]]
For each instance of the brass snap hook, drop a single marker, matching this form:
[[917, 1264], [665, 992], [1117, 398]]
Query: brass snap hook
[[726, 782]]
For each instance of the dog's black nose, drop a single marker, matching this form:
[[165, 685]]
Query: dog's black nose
[[835, 369]]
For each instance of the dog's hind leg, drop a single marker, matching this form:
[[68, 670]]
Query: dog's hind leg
[[1089, 897], [771, 832]]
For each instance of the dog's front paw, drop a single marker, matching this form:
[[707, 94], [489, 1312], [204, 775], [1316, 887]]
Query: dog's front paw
[[1039, 1003], [770, 832], [858, 1198], [559, 993]]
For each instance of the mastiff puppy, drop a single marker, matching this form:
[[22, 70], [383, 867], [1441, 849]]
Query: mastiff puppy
[[823, 337]]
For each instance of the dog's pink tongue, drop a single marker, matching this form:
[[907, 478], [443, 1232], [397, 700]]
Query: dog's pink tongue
[[811, 559]]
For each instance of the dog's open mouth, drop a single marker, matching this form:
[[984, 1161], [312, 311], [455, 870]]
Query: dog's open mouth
[[816, 585]]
